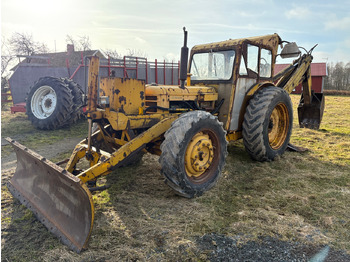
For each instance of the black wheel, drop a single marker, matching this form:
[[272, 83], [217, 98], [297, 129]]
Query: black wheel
[[77, 108], [49, 103], [193, 153], [267, 124]]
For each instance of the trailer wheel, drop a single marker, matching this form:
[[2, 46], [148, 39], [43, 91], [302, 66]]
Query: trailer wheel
[[193, 153], [267, 124], [49, 103]]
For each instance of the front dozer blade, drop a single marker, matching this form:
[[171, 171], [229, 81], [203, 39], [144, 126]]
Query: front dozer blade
[[310, 115], [57, 198]]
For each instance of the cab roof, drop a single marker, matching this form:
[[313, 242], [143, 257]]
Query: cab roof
[[269, 41]]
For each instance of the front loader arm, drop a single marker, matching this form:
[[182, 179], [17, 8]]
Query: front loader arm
[[300, 72], [116, 159], [311, 105]]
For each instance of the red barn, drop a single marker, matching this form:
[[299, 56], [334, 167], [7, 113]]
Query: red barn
[[318, 73]]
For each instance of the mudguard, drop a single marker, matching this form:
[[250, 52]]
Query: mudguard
[[61, 201]]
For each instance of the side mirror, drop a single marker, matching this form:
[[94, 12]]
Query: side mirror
[[290, 50]]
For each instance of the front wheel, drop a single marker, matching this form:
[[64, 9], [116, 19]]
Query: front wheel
[[267, 124], [193, 153]]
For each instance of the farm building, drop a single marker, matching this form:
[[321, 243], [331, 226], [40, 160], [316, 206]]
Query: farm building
[[31, 68], [72, 64], [318, 73]]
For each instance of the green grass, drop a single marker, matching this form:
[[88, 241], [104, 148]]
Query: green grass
[[18, 127], [300, 197]]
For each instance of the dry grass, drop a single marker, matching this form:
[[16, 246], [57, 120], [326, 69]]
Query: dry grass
[[299, 197]]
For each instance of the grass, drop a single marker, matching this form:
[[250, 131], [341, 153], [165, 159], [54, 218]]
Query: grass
[[300, 197], [18, 127]]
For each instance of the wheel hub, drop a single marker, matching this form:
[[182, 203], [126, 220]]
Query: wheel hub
[[43, 102], [199, 155], [278, 126]]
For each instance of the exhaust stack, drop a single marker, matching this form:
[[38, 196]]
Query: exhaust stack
[[183, 61]]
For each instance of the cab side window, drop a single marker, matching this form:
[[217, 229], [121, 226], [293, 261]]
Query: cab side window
[[253, 55], [265, 63]]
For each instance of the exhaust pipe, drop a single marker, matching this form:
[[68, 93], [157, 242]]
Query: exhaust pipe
[[184, 61]]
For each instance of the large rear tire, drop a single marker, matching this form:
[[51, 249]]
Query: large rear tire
[[49, 103], [77, 108], [193, 153], [267, 124]]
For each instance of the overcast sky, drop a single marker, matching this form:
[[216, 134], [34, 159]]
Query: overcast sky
[[155, 27]]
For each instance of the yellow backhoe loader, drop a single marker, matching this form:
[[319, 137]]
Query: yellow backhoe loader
[[227, 92]]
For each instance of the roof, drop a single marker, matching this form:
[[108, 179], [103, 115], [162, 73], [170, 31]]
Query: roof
[[317, 69], [57, 59], [270, 41]]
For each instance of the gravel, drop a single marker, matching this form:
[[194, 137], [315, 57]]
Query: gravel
[[265, 249]]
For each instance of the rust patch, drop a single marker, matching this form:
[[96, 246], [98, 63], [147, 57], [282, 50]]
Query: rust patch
[[122, 99]]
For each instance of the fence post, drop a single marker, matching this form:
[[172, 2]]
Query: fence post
[[109, 66], [178, 72], [156, 71], [172, 72], [146, 72], [137, 75], [164, 72]]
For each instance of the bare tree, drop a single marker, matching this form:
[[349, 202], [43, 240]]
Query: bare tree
[[23, 44], [70, 40], [6, 57], [112, 53], [338, 76], [82, 44], [136, 52], [85, 43]]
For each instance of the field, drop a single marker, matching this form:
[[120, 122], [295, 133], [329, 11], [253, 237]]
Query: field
[[299, 199]]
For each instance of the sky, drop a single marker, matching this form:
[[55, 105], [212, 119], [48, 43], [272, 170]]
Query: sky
[[154, 27]]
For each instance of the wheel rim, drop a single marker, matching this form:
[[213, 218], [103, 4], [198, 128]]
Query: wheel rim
[[200, 159], [43, 102], [278, 126]]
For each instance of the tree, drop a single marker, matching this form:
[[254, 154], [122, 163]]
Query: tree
[[114, 54], [82, 44], [6, 57], [136, 52], [338, 76], [23, 44]]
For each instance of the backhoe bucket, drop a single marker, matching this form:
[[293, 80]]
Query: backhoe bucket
[[310, 115], [61, 201]]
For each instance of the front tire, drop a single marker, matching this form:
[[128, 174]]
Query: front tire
[[193, 153], [267, 124]]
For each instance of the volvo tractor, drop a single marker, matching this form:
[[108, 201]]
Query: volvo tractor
[[228, 91]]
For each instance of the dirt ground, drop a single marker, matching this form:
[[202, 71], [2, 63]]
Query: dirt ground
[[255, 213]]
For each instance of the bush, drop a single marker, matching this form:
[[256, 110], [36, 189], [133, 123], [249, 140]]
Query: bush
[[336, 93]]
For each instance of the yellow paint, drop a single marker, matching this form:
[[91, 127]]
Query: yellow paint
[[233, 136], [125, 95], [93, 83], [105, 167], [278, 126], [199, 155], [188, 79]]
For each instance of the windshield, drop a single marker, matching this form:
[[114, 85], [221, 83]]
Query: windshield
[[213, 65]]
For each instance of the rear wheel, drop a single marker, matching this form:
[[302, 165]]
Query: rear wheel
[[267, 124], [193, 153], [77, 108], [49, 103]]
